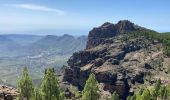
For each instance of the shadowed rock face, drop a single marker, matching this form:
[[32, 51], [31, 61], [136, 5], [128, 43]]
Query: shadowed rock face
[[119, 65]]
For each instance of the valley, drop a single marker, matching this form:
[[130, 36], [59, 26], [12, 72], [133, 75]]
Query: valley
[[84, 50], [37, 53]]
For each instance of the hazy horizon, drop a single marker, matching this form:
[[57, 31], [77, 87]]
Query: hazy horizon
[[48, 32], [41, 17]]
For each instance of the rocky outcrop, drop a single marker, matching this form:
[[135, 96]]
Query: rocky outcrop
[[7, 93], [98, 35], [119, 64]]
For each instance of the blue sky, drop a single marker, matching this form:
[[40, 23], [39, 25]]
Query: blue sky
[[79, 16]]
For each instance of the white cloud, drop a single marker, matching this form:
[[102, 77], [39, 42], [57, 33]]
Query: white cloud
[[37, 8]]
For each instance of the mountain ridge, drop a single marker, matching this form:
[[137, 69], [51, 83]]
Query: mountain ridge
[[108, 30]]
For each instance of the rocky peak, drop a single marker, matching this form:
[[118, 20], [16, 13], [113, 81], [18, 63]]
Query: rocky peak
[[124, 26], [67, 36], [107, 24], [108, 30]]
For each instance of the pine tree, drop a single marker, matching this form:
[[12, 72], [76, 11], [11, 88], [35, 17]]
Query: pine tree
[[138, 97], [37, 95], [50, 86], [163, 92], [25, 85], [91, 89], [115, 96], [131, 97], [157, 85], [156, 89], [146, 95]]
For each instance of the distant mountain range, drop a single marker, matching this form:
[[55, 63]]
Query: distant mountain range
[[65, 44], [23, 39], [36, 53], [20, 45]]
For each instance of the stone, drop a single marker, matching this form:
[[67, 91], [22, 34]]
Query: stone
[[8, 93]]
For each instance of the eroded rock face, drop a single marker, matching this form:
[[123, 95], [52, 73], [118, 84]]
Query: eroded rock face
[[121, 87], [119, 65]]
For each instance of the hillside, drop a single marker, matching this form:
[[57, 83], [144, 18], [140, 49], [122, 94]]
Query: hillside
[[23, 39], [8, 47], [65, 44], [35, 52], [123, 56]]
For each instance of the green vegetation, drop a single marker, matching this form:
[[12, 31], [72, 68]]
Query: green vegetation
[[36, 94], [159, 92], [49, 89], [157, 88], [10, 68], [91, 89], [25, 85], [115, 96], [163, 92], [164, 39], [35, 52], [150, 37], [78, 94]]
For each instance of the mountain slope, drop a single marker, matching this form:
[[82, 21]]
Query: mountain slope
[[7, 43], [122, 56], [65, 44], [23, 39], [37, 54], [8, 47]]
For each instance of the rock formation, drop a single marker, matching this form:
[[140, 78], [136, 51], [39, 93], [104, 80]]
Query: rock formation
[[120, 64], [7, 93], [107, 30]]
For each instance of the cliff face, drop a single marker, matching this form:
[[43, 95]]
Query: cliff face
[[119, 63]]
